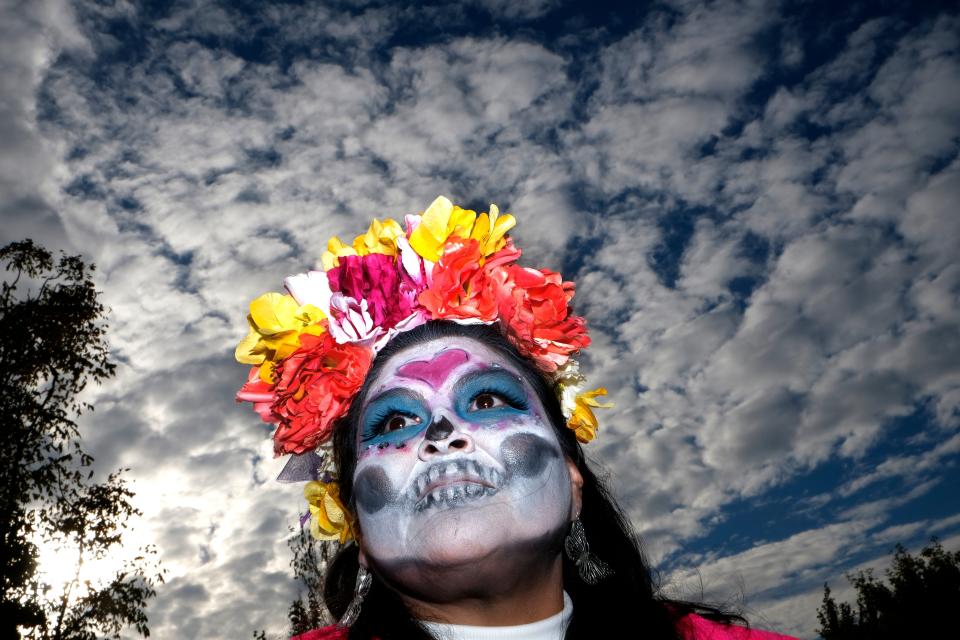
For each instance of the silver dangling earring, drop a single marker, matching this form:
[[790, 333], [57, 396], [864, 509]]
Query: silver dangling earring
[[364, 580], [591, 568]]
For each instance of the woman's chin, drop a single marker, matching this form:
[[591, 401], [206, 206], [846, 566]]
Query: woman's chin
[[444, 553], [441, 548], [445, 567]]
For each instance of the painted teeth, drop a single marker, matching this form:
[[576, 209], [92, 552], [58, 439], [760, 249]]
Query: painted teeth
[[491, 476], [454, 495], [457, 493]]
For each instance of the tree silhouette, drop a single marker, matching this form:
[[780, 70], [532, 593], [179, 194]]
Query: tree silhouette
[[918, 601], [309, 563], [52, 345]]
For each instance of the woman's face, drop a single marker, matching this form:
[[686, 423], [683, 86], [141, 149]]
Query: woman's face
[[457, 467]]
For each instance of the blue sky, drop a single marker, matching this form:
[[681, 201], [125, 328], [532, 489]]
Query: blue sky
[[757, 201]]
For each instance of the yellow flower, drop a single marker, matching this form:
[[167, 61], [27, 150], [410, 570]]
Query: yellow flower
[[583, 422], [491, 229], [441, 220], [276, 322], [381, 237], [329, 519], [335, 250]]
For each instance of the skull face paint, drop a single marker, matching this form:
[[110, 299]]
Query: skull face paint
[[457, 466]]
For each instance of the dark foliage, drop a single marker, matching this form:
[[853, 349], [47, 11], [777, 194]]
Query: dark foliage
[[917, 602], [309, 563], [52, 345]]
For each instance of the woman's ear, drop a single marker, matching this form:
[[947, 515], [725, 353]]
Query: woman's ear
[[362, 558], [576, 489]]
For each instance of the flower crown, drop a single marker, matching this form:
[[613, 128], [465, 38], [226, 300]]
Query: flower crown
[[313, 346]]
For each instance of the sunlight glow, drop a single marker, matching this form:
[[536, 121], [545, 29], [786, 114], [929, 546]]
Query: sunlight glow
[[57, 566]]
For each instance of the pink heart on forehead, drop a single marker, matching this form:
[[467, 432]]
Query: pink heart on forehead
[[434, 371]]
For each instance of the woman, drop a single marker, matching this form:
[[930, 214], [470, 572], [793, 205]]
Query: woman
[[426, 387]]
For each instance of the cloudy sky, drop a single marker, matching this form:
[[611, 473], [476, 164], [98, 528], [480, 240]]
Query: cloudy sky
[[753, 196]]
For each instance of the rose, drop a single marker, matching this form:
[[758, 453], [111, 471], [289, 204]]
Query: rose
[[315, 387], [537, 319]]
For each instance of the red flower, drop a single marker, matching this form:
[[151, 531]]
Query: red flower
[[536, 316], [463, 289], [316, 384]]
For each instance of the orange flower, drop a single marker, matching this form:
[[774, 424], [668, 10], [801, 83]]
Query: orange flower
[[315, 387], [461, 289]]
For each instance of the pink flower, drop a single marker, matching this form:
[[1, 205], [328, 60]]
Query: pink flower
[[376, 279], [260, 394], [413, 265]]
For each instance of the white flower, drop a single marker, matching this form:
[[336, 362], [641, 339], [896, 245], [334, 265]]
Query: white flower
[[570, 382], [310, 288], [350, 321], [413, 320]]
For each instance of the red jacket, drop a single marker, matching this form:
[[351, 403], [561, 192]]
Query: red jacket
[[692, 626]]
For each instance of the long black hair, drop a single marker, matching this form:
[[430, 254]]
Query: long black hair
[[626, 600]]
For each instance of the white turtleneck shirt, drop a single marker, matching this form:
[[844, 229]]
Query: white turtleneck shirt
[[552, 628]]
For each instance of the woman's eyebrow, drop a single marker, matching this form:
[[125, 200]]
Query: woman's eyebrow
[[395, 393], [473, 376]]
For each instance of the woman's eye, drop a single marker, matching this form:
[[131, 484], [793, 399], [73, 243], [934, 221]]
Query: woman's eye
[[487, 401], [399, 421]]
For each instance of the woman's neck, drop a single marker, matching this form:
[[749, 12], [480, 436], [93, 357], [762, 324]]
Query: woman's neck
[[525, 601]]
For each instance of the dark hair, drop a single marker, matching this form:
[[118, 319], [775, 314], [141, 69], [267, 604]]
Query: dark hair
[[601, 610]]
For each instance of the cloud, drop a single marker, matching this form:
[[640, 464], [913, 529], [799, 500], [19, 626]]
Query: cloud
[[795, 374], [33, 35], [665, 91], [762, 237], [814, 553]]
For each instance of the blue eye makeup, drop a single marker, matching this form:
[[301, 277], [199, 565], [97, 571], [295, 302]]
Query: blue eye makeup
[[394, 417], [399, 415], [489, 395]]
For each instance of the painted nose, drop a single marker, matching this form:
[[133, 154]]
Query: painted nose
[[443, 438]]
